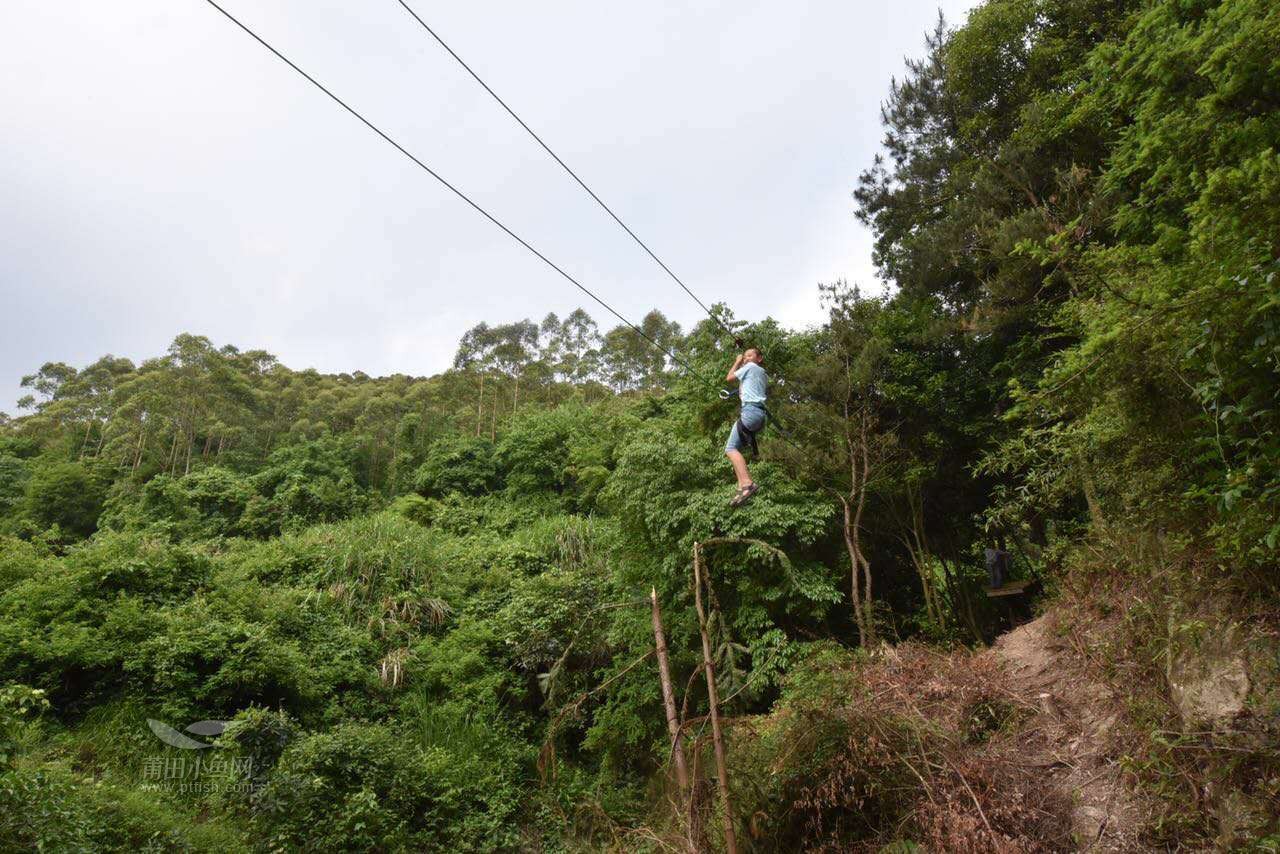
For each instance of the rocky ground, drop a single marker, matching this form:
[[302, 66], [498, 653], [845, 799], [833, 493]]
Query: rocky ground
[[1069, 735]]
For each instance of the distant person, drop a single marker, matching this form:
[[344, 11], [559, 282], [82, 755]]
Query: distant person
[[998, 561], [753, 387]]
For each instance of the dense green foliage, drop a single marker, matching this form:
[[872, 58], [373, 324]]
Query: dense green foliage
[[422, 603]]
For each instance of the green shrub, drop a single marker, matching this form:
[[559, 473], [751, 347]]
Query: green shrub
[[415, 508], [203, 662], [361, 787], [68, 627], [47, 809], [303, 484], [471, 665], [363, 560], [19, 560], [546, 613], [20, 706], [14, 473], [68, 495], [206, 503], [136, 564], [112, 738], [256, 737], [457, 464], [563, 451], [821, 774], [22, 447]]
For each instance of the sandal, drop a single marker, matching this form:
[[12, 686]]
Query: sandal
[[744, 495]]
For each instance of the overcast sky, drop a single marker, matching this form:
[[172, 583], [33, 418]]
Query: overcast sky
[[161, 173]]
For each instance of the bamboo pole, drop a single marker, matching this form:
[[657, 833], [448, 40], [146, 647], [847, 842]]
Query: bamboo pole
[[713, 699], [668, 694]]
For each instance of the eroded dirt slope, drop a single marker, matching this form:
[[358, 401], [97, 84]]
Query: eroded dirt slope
[[1069, 735]]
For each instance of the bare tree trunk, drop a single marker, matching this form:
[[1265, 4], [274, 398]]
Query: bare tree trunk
[[480, 405], [854, 566], [713, 699], [869, 617], [920, 560], [918, 549], [853, 505], [173, 453], [920, 554], [851, 543], [84, 443], [1091, 496], [668, 695], [960, 597], [142, 443]]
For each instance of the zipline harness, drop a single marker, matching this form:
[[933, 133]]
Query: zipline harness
[[750, 435]]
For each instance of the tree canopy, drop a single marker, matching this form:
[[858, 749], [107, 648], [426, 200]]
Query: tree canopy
[[422, 603]]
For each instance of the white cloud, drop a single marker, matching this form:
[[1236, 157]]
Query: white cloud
[[162, 173]]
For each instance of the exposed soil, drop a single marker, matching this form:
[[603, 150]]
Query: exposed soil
[[1069, 734]]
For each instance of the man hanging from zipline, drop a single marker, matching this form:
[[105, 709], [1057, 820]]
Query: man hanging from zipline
[[753, 387]]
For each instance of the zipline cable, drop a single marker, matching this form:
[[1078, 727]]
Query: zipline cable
[[673, 356], [475, 206], [583, 184], [574, 175]]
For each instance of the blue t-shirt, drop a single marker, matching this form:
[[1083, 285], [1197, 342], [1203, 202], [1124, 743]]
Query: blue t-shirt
[[753, 383]]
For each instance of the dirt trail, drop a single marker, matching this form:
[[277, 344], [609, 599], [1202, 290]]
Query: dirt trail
[[1069, 735]]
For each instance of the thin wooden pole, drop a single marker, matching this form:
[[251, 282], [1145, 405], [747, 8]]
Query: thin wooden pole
[[713, 699], [668, 694]]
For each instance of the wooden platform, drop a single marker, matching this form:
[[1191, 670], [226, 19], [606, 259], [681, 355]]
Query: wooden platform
[[1013, 588]]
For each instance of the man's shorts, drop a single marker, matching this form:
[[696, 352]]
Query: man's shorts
[[753, 418]]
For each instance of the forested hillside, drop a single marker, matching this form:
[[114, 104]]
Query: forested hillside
[[245, 606]]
